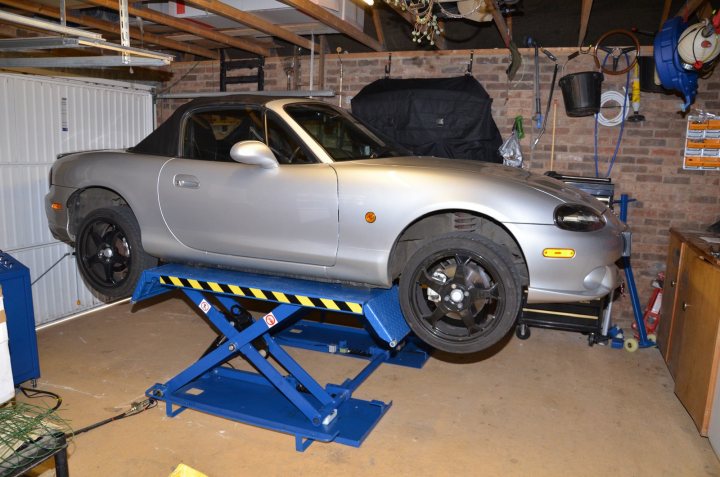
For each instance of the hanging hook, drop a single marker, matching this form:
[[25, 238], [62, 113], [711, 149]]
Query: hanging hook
[[388, 66], [470, 64]]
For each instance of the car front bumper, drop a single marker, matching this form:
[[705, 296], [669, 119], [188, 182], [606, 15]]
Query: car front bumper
[[590, 274], [59, 219]]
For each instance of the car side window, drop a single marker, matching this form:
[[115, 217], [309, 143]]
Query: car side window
[[286, 146], [210, 134]]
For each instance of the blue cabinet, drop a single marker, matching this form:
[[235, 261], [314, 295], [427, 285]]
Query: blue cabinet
[[17, 296]]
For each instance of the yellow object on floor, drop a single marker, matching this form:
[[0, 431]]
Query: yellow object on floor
[[183, 470]]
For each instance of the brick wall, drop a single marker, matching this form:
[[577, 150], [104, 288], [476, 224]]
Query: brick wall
[[649, 161]]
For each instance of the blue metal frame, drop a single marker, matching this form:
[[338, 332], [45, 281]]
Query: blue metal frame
[[22, 340], [643, 342], [294, 403]]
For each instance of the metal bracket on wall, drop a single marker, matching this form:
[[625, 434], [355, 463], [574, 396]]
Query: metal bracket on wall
[[249, 64]]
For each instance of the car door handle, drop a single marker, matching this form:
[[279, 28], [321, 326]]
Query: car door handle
[[186, 181]]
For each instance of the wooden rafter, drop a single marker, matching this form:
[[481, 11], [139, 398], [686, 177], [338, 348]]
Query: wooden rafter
[[408, 17], [110, 27], [499, 21], [665, 13], [319, 13], [689, 7], [378, 26], [189, 27], [584, 19], [253, 21]]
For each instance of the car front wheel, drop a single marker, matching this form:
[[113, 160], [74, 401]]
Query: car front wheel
[[460, 293], [109, 252]]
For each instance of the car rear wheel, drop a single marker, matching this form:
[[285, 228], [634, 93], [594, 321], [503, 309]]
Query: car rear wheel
[[460, 293], [109, 252]]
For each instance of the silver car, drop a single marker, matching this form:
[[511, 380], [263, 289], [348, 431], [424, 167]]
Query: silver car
[[297, 187]]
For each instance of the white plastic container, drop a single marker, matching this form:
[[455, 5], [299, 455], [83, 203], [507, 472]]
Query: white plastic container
[[7, 387]]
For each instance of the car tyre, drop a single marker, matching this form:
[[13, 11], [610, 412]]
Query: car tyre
[[109, 252], [460, 293]]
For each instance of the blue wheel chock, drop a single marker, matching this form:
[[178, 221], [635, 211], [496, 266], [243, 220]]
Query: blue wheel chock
[[293, 403]]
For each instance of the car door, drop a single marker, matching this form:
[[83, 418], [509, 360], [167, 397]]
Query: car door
[[213, 204]]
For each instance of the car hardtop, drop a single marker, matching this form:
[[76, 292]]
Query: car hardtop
[[164, 140]]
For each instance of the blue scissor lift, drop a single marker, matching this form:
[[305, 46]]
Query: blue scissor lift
[[294, 402]]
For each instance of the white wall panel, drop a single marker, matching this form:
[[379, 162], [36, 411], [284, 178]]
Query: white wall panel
[[61, 291], [39, 119]]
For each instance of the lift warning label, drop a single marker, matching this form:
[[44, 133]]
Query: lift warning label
[[270, 320], [204, 306]]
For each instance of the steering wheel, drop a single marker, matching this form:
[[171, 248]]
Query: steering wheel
[[616, 52]]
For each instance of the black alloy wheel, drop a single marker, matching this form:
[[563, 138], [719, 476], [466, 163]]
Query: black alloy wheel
[[460, 293], [109, 252]]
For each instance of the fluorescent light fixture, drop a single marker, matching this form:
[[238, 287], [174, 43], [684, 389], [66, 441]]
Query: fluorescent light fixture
[[77, 62], [49, 26], [38, 43], [126, 49]]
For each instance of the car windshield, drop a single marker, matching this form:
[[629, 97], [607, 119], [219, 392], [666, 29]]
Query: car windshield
[[342, 136]]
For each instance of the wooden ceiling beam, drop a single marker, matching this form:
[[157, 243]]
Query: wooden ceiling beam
[[110, 27], [584, 20], [499, 21], [253, 21], [378, 26], [689, 7], [665, 13], [186, 26], [323, 16]]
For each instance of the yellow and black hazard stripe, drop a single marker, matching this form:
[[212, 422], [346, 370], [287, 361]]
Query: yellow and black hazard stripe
[[267, 295]]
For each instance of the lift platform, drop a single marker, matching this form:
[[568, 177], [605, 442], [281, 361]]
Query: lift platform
[[293, 403]]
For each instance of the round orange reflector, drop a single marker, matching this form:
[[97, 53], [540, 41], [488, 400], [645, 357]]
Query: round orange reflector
[[370, 217], [558, 253], [56, 206]]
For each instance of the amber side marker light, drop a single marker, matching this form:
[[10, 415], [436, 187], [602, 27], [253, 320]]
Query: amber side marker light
[[56, 206], [558, 253], [370, 217]]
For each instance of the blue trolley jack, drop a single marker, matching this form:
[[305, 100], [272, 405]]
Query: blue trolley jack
[[293, 403]]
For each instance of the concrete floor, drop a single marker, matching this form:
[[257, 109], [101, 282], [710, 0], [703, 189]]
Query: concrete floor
[[547, 406]]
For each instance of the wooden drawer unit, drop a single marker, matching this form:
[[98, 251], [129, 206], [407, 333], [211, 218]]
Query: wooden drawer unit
[[689, 329]]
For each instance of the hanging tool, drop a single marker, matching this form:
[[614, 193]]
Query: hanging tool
[[636, 117], [537, 117], [552, 143], [541, 120]]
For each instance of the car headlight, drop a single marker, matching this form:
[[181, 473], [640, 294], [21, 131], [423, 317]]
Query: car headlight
[[578, 218]]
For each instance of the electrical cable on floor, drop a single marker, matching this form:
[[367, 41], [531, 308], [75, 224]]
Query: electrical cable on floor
[[37, 393], [135, 409]]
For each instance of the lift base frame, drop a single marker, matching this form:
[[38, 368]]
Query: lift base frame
[[293, 403]]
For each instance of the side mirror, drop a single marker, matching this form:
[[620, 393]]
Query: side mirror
[[253, 153]]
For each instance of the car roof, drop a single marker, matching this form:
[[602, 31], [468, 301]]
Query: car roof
[[164, 140]]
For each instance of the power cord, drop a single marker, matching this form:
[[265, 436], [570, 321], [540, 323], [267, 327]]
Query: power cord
[[135, 409], [38, 393]]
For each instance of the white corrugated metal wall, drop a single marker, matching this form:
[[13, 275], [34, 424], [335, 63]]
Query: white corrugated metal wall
[[39, 119]]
